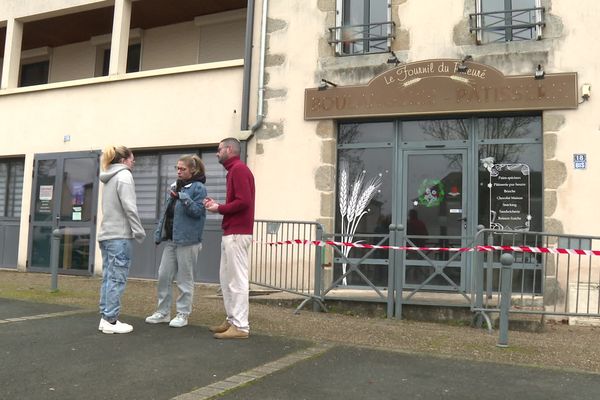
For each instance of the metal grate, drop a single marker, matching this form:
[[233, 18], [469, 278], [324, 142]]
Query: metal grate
[[507, 25], [362, 39]]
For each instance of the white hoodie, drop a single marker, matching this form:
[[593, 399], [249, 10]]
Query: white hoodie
[[120, 215]]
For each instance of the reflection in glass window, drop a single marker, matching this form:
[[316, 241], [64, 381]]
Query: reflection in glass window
[[372, 132], [442, 129], [364, 165], [46, 191], [510, 127], [11, 188]]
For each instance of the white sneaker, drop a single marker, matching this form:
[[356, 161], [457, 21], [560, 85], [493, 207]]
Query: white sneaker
[[158, 318], [118, 327], [100, 324], [179, 321]]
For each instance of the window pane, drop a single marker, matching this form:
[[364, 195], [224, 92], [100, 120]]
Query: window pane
[[354, 12], [3, 188], [215, 180], [155, 173], [76, 202], [376, 132], [531, 156], [378, 11], [445, 129], [145, 175], [15, 193], [168, 175], [369, 216], [133, 59], [507, 26], [365, 165], [510, 128], [35, 74], [45, 191]]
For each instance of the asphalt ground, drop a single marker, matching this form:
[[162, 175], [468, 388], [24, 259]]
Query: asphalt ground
[[56, 352]]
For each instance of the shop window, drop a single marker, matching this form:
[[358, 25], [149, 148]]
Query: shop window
[[507, 20], [435, 130], [11, 188], [155, 172], [34, 73], [362, 27], [510, 173], [134, 52]]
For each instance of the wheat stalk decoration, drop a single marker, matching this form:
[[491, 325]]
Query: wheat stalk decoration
[[352, 209]]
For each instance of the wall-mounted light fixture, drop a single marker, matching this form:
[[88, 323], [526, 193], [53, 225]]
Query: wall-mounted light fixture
[[539, 72], [463, 67], [393, 59], [325, 84], [586, 91]]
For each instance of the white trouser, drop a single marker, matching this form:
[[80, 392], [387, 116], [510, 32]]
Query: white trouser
[[177, 263], [233, 275]]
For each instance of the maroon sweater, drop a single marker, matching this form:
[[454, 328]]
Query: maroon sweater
[[238, 210]]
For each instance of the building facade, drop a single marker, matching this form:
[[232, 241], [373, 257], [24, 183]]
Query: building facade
[[439, 115]]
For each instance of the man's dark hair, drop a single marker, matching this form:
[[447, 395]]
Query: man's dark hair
[[236, 148]]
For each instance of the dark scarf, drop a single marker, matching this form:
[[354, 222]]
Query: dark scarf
[[170, 212]]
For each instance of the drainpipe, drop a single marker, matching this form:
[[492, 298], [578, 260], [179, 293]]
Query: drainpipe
[[261, 71], [247, 65]]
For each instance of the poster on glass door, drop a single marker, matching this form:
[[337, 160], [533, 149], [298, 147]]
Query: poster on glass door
[[509, 187]]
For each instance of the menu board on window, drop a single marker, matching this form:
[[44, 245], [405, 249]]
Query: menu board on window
[[509, 196]]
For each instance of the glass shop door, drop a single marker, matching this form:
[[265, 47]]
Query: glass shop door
[[64, 198], [434, 212]]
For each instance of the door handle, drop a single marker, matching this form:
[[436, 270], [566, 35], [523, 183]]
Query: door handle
[[464, 219]]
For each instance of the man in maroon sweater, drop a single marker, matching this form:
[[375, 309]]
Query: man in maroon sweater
[[238, 223]]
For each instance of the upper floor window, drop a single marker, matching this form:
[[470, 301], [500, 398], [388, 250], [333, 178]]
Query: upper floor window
[[507, 20], [11, 187], [134, 52], [362, 26], [34, 73]]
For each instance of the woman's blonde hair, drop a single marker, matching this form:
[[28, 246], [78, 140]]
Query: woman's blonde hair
[[114, 155], [194, 163]]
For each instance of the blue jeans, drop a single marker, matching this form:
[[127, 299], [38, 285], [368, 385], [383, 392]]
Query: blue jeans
[[116, 259]]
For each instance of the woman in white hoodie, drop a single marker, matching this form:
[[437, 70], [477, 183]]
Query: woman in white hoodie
[[120, 224]]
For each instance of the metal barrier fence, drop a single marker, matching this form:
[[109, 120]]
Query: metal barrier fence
[[548, 275], [293, 268], [351, 269]]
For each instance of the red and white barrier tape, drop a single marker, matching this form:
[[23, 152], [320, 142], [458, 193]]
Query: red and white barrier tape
[[522, 249]]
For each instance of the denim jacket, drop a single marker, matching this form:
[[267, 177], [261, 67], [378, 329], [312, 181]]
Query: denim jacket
[[189, 215]]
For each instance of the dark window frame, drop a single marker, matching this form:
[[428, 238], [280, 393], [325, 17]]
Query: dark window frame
[[34, 73], [368, 37], [15, 211], [508, 24], [134, 59]]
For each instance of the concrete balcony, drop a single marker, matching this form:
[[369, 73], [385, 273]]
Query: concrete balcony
[[186, 105]]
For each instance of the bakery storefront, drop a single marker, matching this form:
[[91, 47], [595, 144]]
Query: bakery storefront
[[441, 147]]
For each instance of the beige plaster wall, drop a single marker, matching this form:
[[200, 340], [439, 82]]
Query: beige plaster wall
[[580, 132], [74, 61], [170, 46], [286, 153], [222, 41], [162, 110]]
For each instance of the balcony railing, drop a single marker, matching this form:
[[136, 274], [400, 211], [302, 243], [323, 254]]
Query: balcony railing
[[362, 39], [507, 25]]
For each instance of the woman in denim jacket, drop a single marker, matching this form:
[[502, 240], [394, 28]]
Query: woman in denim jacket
[[181, 227]]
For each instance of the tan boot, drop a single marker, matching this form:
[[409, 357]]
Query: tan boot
[[231, 333], [220, 328]]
